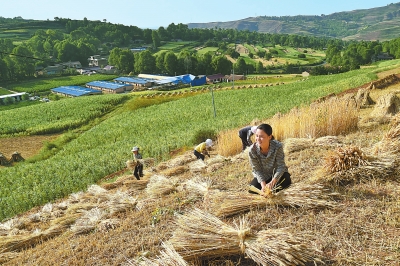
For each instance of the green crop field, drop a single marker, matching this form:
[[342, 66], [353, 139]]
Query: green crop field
[[207, 49], [54, 117], [156, 129]]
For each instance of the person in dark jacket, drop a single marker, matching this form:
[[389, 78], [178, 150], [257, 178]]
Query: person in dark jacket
[[138, 172], [245, 135], [267, 160]]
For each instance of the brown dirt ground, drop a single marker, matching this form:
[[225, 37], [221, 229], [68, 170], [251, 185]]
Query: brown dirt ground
[[27, 146]]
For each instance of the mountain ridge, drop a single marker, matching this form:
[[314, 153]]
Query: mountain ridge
[[379, 23]]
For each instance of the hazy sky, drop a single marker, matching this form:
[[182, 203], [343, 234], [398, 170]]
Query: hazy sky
[[156, 13]]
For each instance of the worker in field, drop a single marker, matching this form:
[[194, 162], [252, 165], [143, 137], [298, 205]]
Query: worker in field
[[138, 171], [200, 151], [267, 161], [245, 135]]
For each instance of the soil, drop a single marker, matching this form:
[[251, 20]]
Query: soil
[[27, 146]]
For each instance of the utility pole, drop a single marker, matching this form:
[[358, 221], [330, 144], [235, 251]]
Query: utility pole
[[213, 102], [233, 78]]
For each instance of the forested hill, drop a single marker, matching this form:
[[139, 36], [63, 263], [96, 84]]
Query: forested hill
[[380, 23]]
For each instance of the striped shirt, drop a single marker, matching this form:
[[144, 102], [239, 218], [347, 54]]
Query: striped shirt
[[272, 165]]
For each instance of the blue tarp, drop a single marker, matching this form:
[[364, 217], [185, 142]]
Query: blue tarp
[[75, 90], [105, 84]]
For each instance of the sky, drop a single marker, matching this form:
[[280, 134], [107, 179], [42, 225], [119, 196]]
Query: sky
[[155, 13]]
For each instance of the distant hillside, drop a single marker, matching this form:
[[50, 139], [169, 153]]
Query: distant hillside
[[380, 23]]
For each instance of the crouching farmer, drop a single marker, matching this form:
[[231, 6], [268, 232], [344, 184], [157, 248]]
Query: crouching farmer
[[201, 150]]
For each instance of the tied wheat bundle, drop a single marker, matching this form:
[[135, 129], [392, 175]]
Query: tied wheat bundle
[[298, 195], [376, 169], [160, 185], [131, 164], [20, 242], [200, 235], [136, 184], [202, 187], [168, 257], [175, 170], [344, 158], [118, 202], [88, 221]]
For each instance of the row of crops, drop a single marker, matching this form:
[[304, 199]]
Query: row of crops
[[157, 129], [54, 117]]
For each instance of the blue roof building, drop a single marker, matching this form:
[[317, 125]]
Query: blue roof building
[[74, 91], [109, 87], [136, 82]]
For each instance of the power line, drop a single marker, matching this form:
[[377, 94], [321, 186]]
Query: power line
[[24, 56]]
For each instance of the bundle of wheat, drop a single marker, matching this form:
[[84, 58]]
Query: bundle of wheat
[[118, 202], [7, 256], [344, 158], [297, 195], [200, 235], [19, 242], [176, 170], [88, 221], [197, 166], [181, 160], [376, 169], [202, 186], [168, 257], [131, 164], [136, 184], [296, 144], [160, 185]]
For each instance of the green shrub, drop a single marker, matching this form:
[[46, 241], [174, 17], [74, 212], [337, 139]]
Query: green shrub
[[203, 134]]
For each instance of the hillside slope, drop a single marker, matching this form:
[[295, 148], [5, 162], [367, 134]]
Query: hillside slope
[[121, 220], [378, 23]]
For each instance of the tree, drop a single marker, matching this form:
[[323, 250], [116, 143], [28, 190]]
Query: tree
[[24, 65], [221, 65], [160, 62], [171, 63], [259, 67], [156, 39], [145, 62], [240, 66]]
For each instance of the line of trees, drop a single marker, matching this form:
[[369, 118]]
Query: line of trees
[[76, 40]]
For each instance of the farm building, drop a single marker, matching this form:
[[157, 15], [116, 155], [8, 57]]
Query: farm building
[[136, 82], [138, 49], [15, 97], [109, 87], [151, 76], [74, 91], [215, 78], [97, 60], [229, 78]]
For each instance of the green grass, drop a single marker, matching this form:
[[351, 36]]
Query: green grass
[[207, 49], [157, 129], [4, 91]]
